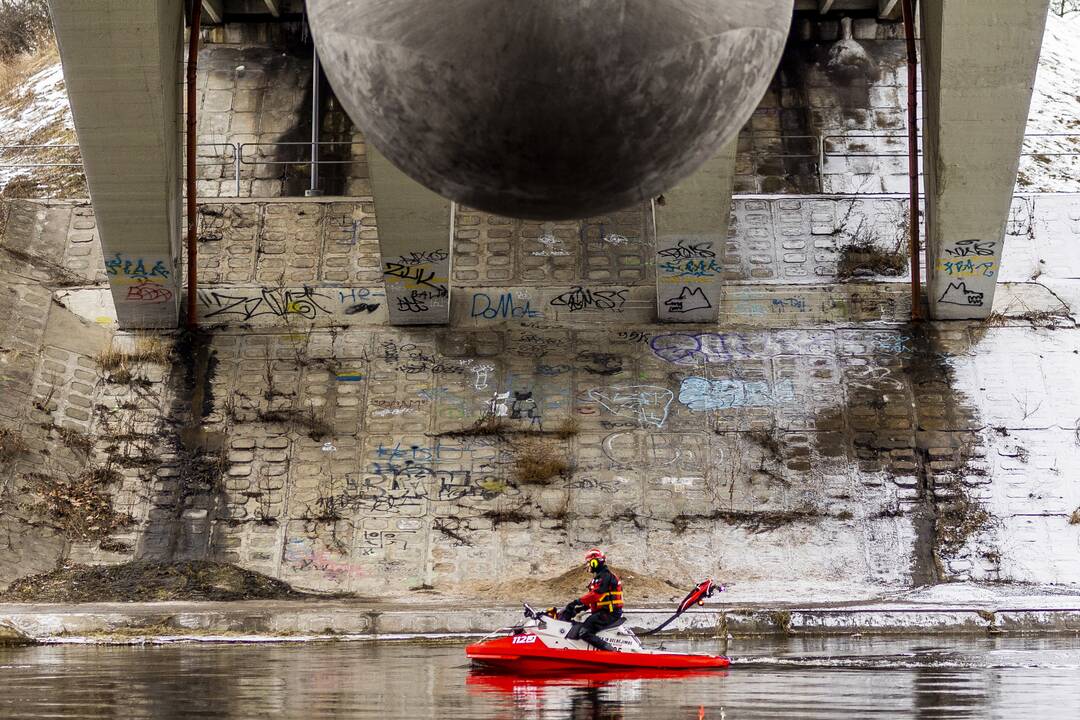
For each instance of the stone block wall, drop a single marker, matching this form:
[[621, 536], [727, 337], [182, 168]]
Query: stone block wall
[[811, 442], [254, 89], [846, 96]]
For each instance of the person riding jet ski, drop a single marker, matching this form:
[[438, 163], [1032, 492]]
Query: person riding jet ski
[[603, 598]]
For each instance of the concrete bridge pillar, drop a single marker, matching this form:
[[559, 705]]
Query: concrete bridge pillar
[[691, 229], [415, 226], [123, 64], [979, 63]]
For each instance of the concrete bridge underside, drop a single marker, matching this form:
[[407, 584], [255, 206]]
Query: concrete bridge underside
[[123, 68]]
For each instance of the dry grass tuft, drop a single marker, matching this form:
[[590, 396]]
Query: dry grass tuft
[[568, 428], [25, 26], [1074, 519], [12, 443], [16, 68], [538, 464], [120, 363], [148, 348], [1018, 311]]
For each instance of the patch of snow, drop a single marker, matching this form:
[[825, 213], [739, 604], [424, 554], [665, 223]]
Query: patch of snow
[[93, 304], [47, 108], [1055, 109]]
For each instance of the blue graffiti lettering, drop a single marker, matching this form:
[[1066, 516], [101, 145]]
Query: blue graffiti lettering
[[118, 266], [504, 307], [691, 268]]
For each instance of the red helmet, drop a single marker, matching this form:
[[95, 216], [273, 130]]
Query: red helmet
[[594, 558]]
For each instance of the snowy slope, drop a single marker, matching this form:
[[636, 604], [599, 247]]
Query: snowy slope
[[36, 113], [1055, 109]]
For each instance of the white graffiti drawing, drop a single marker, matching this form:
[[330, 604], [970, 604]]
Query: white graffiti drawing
[[499, 405], [481, 373], [648, 404], [553, 247], [622, 450]]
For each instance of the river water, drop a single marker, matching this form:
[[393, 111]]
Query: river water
[[1032, 678]]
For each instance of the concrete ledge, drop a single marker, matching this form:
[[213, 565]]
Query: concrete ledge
[[284, 621], [13, 636]]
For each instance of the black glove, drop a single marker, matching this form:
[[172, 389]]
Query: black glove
[[572, 609]]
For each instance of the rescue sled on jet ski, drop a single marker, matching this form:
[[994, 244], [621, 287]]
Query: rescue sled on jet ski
[[545, 644]]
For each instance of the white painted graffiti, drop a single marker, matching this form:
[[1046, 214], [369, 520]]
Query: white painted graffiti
[[648, 404], [499, 404], [553, 247]]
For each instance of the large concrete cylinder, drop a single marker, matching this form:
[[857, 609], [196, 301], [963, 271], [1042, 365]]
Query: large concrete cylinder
[[549, 109]]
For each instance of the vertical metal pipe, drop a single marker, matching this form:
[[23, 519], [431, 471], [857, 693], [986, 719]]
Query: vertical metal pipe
[[821, 164], [315, 104], [192, 240], [913, 154], [236, 166]]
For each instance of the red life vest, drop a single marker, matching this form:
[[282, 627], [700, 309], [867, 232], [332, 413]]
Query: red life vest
[[605, 593]]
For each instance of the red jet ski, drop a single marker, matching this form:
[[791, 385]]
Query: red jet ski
[[543, 644]]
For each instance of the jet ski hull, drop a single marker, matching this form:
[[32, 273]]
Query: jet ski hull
[[527, 654]]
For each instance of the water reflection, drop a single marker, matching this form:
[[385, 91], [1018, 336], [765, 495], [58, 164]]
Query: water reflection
[[580, 696], [949, 694], [777, 678]]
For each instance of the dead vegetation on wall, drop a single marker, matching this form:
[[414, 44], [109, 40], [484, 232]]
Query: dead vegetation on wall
[[538, 457], [956, 522], [12, 443], [1018, 312], [866, 259], [871, 251], [80, 505], [304, 422], [755, 521], [508, 516]]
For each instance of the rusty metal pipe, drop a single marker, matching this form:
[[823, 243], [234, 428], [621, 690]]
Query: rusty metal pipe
[[192, 100], [913, 154]]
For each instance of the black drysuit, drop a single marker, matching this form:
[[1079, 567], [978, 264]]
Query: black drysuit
[[604, 598]]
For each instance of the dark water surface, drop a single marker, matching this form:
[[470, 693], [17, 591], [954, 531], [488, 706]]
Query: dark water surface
[[923, 677]]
